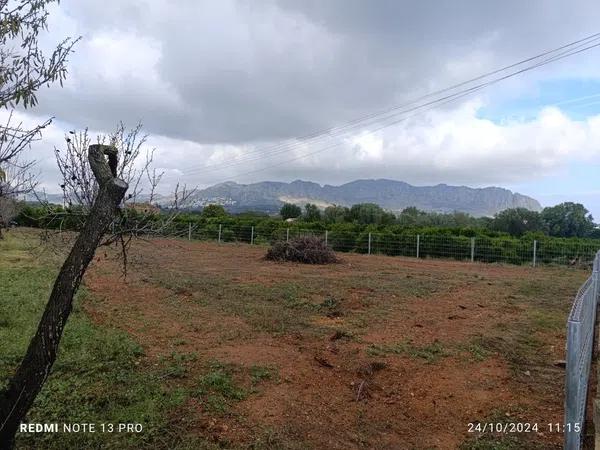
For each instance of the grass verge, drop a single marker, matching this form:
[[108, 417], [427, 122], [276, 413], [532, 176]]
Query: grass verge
[[97, 377]]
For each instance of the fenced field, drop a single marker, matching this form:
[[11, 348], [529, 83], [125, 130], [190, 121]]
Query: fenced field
[[210, 346], [533, 252], [461, 244]]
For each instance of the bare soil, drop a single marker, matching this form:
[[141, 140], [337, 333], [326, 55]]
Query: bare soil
[[373, 352]]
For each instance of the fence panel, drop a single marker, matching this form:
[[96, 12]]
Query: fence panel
[[580, 341], [566, 253], [393, 243]]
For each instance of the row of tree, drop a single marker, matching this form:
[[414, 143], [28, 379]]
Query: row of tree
[[567, 220], [392, 239], [563, 220]]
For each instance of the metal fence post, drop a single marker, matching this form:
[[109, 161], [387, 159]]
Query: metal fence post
[[596, 275], [220, 226], [596, 400], [252, 236], [287, 235], [572, 439], [534, 253], [326, 237], [369, 250], [580, 349], [472, 249], [418, 244], [190, 231]]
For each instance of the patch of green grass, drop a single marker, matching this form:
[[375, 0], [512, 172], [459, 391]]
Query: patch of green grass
[[383, 349], [342, 334], [290, 306], [15, 248], [176, 364], [552, 291], [261, 373], [531, 288], [97, 376], [431, 353], [519, 347], [330, 307], [358, 321], [546, 320], [94, 380], [541, 302], [400, 286], [476, 350], [218, 390], [275, 308], [23, 292]]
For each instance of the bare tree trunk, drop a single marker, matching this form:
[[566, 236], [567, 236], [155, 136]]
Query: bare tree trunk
[[23, 388]]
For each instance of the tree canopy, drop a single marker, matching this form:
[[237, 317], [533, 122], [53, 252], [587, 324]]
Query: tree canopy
[[336, 214], [518, 221], [290, 211], [312, 213], [24, 69], [370, 213], [568, 220], [214, 211]]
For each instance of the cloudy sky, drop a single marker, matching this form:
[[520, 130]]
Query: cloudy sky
[[225, 89]]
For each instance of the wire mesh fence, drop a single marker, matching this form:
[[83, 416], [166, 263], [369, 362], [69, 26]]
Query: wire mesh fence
[[580, 340], [463, 248]]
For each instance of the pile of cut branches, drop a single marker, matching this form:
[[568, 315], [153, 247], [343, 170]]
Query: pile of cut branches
[[302, 249]]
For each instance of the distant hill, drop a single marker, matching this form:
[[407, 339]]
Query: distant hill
[[268, 196]]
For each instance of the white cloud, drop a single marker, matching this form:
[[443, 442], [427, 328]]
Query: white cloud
[[212, 80], [452, 146]]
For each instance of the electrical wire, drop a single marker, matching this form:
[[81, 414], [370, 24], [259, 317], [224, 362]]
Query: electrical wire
[[330, 132], [572, 50]]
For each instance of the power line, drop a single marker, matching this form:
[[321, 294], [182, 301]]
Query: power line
[[575, 100], [350, 125], [372, 119], [446, 99]]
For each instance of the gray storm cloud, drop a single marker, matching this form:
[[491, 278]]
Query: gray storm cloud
[[240, 71], [211, 80]]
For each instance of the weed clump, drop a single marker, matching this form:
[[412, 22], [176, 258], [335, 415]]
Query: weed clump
[[302, 249]]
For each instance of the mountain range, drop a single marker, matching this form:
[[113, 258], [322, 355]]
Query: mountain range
[[268, 196]]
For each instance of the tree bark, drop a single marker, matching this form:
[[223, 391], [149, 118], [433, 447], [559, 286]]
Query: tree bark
[[35, 367]]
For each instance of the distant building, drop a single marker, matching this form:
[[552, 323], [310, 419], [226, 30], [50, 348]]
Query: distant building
[[223, 201]]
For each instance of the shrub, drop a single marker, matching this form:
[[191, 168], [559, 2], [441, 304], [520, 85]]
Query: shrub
[[303, 249]]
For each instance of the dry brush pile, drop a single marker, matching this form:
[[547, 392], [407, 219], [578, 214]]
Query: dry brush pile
[[302, 249]]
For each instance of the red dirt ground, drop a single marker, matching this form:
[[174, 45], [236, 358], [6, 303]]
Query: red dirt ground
[[331, 393]]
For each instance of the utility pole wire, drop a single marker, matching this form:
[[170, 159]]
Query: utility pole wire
[[419, 109], [563, 51]]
